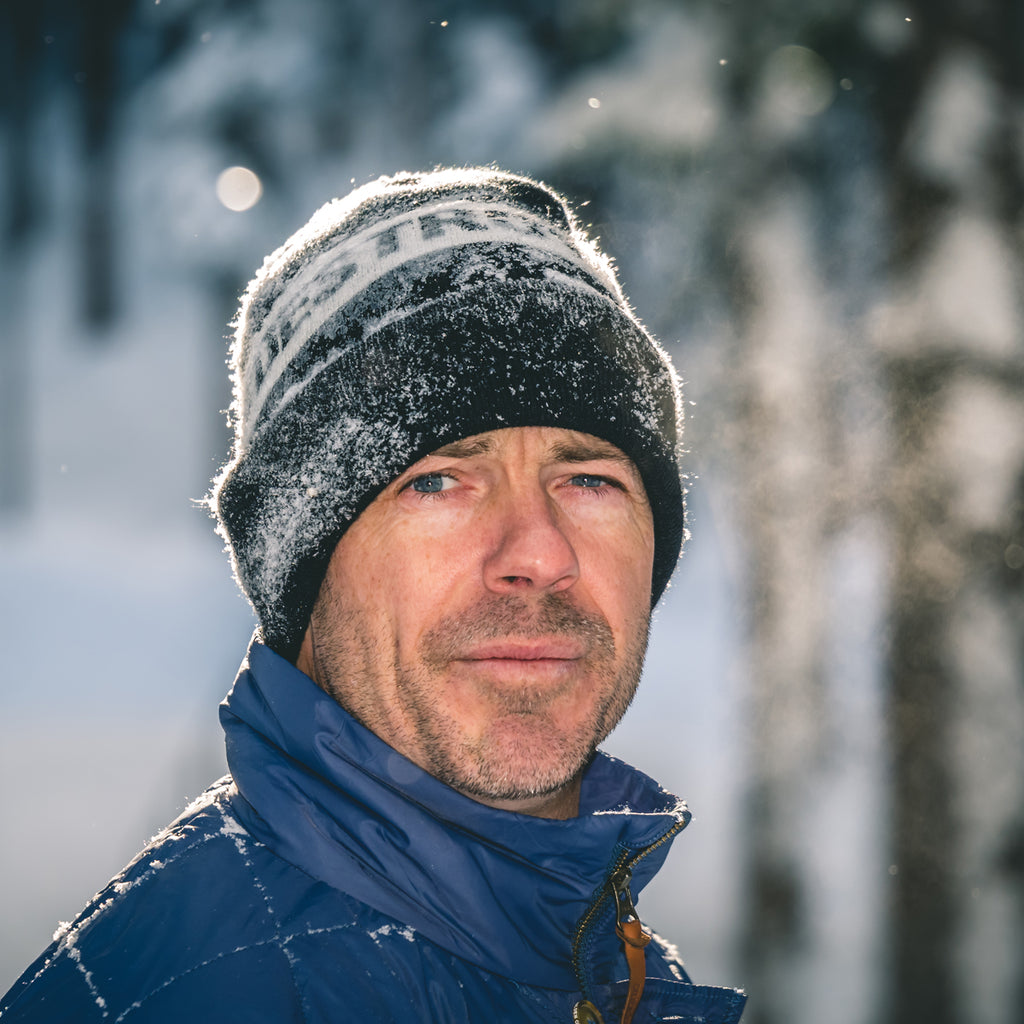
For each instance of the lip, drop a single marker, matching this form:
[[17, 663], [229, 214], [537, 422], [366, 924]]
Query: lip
[[555, 649]]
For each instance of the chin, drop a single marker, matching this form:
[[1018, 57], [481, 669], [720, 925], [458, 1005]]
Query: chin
[[511, 765]]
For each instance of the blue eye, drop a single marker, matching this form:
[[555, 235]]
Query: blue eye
[[588, 480], [429, 483]]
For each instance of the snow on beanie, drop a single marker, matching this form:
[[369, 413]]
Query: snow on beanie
[[419, 310]]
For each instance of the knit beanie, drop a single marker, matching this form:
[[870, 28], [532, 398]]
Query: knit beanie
[[417, 311]]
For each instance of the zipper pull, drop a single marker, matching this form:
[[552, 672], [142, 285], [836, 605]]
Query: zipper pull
[[625, 911], [634, 940], [585, 1012]]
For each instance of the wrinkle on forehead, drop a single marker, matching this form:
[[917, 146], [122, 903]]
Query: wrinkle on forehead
[[582, 448]]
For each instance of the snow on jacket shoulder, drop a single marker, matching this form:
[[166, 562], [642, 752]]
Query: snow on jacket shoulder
[[330, 879]]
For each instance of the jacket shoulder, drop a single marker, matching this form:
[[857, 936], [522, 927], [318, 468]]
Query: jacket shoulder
[[207, 923], [195, 914]]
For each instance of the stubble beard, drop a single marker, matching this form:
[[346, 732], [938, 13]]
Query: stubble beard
[[528, 758]]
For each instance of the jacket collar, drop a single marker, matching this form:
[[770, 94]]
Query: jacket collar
[[503, 890]]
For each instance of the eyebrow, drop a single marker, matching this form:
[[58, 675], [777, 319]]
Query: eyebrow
[[574, 451], [465, 449]]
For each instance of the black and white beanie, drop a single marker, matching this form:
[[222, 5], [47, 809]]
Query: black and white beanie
[[419, 310]]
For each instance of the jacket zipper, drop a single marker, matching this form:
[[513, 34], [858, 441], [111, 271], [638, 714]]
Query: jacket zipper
[[616, 887]]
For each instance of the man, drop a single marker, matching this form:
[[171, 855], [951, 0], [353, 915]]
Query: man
[[453, 500]]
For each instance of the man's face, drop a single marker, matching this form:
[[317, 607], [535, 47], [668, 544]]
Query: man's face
[[487, 614]]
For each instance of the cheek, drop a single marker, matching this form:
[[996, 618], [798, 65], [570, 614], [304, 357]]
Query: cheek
[[618, 571], [413, 581], [425, 563], [629, 579]]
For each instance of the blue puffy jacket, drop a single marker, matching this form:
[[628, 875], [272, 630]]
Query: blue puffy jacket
[[329, 879]]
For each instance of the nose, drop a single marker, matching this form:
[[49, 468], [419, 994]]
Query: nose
[[532, 551]]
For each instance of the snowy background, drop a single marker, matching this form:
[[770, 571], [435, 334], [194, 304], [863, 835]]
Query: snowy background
[[818, 209]]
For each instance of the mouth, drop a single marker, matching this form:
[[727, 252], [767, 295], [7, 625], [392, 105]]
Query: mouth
[[545, 664], [556, 649]]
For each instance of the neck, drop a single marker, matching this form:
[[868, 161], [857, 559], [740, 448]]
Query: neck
[[560, 804]]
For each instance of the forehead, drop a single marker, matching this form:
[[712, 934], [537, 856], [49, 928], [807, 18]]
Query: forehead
[[553, 444]]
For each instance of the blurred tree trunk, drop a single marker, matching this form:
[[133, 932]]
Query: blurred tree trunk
[[785, 454], [15, 419], [21, 38], [955, 376], [100, 32], [925, 826], [21, 52]]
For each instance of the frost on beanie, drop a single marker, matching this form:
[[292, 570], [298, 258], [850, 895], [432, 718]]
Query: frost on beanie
[[419, 310]]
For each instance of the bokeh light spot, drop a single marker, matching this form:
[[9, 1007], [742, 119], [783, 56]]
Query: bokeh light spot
[[238, 188], [799, 81]]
